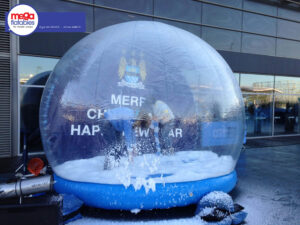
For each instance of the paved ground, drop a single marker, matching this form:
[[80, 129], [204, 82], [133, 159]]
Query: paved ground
[[273, 142], [269, 185]]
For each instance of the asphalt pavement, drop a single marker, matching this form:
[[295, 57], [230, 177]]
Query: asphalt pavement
[[269, 185]]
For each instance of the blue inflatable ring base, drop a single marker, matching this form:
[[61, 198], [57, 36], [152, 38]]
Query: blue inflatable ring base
[[113, 196]]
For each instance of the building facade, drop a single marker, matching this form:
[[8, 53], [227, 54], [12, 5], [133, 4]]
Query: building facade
[[260, 40]]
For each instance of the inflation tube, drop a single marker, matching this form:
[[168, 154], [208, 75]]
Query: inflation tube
[[26, 187]]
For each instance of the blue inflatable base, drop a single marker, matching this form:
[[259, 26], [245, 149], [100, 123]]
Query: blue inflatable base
[[110, 196]]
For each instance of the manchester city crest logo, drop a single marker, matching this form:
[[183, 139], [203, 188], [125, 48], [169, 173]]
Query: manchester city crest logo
[[132, 73]]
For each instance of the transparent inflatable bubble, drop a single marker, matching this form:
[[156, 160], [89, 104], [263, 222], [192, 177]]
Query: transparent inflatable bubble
[[142, 103]]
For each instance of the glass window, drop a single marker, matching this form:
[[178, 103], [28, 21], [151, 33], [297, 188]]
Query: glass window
[[195, 29], [287, 85], [289, 49], [30, 66], [221, 17], [258, 111], [292, 14], [141, 6], [233, 3], [287, 29], [105, 17], [33, 74], [286, 120], [258, 95], [258, 98], [257, 44], [259, 24], [183, 10], [257, 83], [49, 44], [259, 6], [222, 39], [29, 112]]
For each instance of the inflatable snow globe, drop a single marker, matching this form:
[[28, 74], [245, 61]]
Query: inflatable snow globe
[[142, 115]]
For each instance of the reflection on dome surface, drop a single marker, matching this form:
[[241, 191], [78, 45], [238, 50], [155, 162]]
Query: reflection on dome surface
[[142, 103]]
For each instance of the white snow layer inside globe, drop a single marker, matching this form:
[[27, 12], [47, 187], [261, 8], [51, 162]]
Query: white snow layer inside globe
[[142, 103]]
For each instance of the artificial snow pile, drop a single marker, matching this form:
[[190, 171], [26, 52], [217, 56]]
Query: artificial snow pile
[[216, 198], [94, 221], [148, 169], [214, 208]]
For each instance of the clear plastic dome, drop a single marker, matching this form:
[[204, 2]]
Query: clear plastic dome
[[142, 103]]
